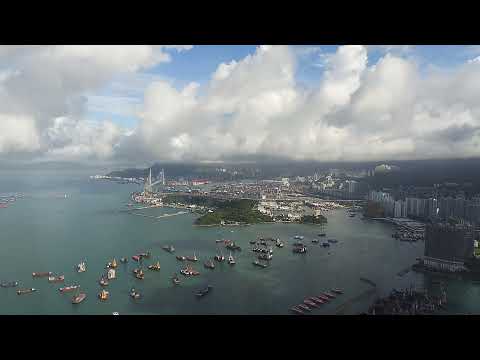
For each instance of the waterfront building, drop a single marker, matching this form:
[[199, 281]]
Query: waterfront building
[[448, 244]]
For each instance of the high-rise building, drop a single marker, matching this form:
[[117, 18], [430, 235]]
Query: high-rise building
[[448, 245]]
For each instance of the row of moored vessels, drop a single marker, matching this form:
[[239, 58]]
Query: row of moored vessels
[[315, 301]]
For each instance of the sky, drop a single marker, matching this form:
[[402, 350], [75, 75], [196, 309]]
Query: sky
[[141, 103]]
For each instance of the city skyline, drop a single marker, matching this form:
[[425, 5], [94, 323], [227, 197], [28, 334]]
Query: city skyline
[[127, 104]]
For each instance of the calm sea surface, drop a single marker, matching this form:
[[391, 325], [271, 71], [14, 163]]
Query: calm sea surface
[[47, 232]]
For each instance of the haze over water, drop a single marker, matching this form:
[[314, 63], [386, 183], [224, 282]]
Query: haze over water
[[47, 232]]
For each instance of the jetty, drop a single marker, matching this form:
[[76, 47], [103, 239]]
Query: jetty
[[161, 216]]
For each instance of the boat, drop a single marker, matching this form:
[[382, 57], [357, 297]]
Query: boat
[[263, 242], [68, 288], [315, 241], [136, 257], [140, 275], [115, 313], [352, 215], [298, 237], [209, 264], [325, 244], [253, 242], [232, 246], [103, 295], [333, 241], [103, 281], [300, 250], [55, 279], [135, 294], [231, 260], [42, 274], [189, 271], [145, 255], [175, 279], [77, 299], [154, 267], [259, 264], [203, 292], [8, 284], [123, 260], [304, 307], [317, 300], [169, 248], [279, 244], [296, 310], [112, 264], [310, 303], [322, 234], [82, 267], [329, 295], [220, 258], [192, 258], [324, 298], [265, 257], [181, 258], [111, 274], [337, 291], [219, 241], [26, 291]]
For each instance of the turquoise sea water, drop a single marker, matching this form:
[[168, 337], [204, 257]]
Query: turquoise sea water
[[47, 232]]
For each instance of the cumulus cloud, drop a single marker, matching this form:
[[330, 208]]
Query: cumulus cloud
[[41, 84], [251, 107]]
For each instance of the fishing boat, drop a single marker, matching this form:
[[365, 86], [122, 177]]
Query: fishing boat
[[220, 258], [77, 299], [56, 279], [324, 298], [232, 246], [103, 295], [123, 260], [209, 264], [253, 242], [325, 244], [136, 257], [41, 274], [259, 264], [169, 248], [322, 234], [296, 310], [203, 292], [333, 241], [231, 260], [175, 280], [279, 244], [26, 291], [145, 255], [317, 300], [154, 267], [337, 291], [103, 281], [267, 257], [219, 241], [304, 307], [8, 284], [82, 267], [112, 264], [111, 274], [68, 288], [300, 250], [298, 237], [135, 294], [192, 258], [315, 241], [140, 275], [189, 271]]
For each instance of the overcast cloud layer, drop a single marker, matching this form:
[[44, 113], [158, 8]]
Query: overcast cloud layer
[[252, 107]]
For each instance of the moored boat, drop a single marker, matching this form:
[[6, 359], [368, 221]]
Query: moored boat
[[300, 250], [169, 248], [192, 258], [68, 288], [104, 295], [296, 310], [189, 271], [329, 295], [77, 299], [8, 284], [140, 275], [279, 244], [267, 257], [181, 258], [298, 237], [123, 260], [209, 264], [26, 291], [136, 257], [310, 303], [175, 280], [135, 294], [317, 300], [322, 234], [324, 298], [220, 258], [304, 307], [337, 291], [259, 264], [42, 274], [103, 281], [111, 274], [325, 244], [56, 279], [333, 241], [203, 292], [315, 241], [82, 267], [231, 260], [112, 264], [154, 267]]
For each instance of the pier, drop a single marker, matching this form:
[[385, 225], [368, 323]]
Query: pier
[[161, 216]]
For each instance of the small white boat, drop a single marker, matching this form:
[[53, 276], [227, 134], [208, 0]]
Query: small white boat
[[231, 260], [82, 267], [111, 274]]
